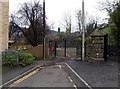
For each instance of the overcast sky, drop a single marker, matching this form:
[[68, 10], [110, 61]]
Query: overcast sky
[[55, 9]]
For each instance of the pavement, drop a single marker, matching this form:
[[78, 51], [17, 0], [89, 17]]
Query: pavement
[[97, 74]]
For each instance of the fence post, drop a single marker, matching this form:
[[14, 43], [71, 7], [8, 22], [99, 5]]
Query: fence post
[[105, 47], [55, 48], [65, 49], [17, 58]]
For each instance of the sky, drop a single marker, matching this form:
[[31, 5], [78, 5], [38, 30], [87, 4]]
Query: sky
[[56, 9]]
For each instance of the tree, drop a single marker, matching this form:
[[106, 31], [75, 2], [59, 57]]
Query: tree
[[113, 9], [79, 19], [107, 5], [29, 20], [14, 33], [67, 23], [115, 15], [91, 26], [115, 18]]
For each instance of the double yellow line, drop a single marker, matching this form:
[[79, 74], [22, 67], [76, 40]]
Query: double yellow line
[[25, 77]]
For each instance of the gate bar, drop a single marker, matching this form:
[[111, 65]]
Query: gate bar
[[65, 49]]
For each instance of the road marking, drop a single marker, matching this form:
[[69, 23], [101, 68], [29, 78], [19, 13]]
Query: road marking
[[75, 86], [72, 82], [78, 76], [41, 67], [58, 66], [25, 77], [18, 76], [70, 79]]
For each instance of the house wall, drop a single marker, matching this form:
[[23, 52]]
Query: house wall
[[4, 10], [4, 15]]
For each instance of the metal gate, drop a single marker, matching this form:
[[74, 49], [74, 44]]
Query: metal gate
[[95, 48], [67, 48], [60, 48]]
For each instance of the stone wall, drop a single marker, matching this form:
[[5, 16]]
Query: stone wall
[[95, 46], [4, 15]]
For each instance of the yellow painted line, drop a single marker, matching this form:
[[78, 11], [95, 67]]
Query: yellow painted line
[[41, 67], [70, 79], [72, 82], [58, 66], [25, 77], [75, 86]]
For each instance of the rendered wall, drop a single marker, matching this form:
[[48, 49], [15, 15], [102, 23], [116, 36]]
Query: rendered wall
[[4, 15], [4, 11]]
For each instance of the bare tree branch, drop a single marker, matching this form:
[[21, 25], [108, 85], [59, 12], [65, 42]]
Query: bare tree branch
[[29, 20]]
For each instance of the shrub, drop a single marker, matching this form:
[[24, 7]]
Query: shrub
[[9, 57], [25, 58]]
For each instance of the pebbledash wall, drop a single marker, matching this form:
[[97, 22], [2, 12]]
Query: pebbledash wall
[[4, 20]]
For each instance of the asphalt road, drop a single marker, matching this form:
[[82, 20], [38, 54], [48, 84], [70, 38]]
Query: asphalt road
[[52, 76], [99, 75]]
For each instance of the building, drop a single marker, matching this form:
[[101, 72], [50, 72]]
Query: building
[[4, 20]]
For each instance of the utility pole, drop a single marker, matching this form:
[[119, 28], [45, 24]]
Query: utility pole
[[44, 29], [83, 32]]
